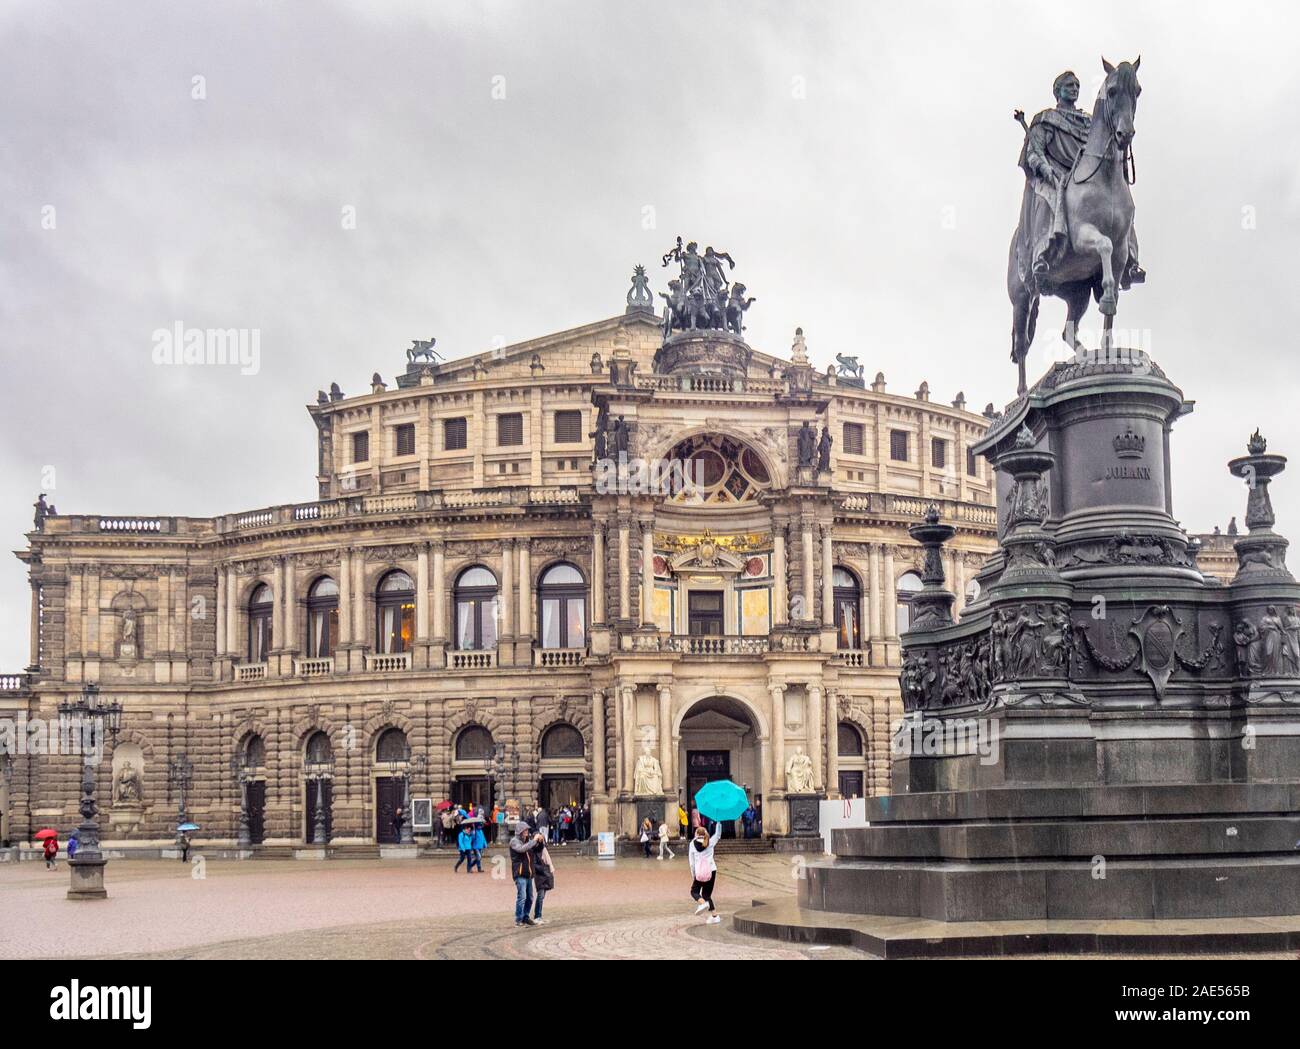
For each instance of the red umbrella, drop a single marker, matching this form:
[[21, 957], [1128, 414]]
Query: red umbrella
[[41, 835], [443, 806]]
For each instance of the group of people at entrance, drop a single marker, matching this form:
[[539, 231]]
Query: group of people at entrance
[[567, 824]]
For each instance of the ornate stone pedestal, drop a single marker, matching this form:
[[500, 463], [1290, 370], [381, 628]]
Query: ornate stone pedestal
[[805, 815], [1102, 736], [87, 878]]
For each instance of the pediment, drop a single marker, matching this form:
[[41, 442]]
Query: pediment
[[707, 557]]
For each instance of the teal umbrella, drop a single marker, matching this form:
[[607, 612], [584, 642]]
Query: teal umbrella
[[721, 800], [187, 827]]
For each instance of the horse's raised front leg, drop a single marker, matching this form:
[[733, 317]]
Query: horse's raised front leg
[[1090, 238]]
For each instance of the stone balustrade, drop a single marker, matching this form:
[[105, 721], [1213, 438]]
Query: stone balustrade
[[313, 667], [472, 660], [250, 672], [717, 645], [558, 657], [388, 663]]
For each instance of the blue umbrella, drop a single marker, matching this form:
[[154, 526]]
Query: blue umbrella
[[721, 800], [188, 827]]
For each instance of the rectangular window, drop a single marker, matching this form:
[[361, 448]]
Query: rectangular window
[[898, 445], [405, 439], [938, 452], [853, 438], [361, 447], [972, 466], [568, 427], [453, 434], [510, 429]]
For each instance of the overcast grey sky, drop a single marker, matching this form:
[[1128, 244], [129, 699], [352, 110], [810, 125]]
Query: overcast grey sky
[[857, 159]]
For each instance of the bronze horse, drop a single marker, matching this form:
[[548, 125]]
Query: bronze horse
[[1098, 214]]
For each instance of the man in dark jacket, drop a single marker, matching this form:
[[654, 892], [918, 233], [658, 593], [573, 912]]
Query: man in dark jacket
[[521, 867]]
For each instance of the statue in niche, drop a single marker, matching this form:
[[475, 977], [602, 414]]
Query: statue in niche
[[647, 777], [128, 785], [799, 773], [126, 645], [824, 451]]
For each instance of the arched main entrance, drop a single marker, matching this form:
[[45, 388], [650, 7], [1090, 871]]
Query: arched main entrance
[[720, 739]]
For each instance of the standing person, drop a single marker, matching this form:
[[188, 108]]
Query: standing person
[[492, 824], [663, 842], [185, 848], [683, 823], [398, 820], [647, 835], [543, 880], [522, 868], [543, 822], [51, 849], [584, 830], [704, 871], [465, 842], [73, 844], [749, 817], [477, 844], [500, 834]]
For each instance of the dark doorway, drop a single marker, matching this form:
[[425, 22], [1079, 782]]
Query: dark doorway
[[704, 766], [256, 810], [704, 612], [326, 794], [851, 785], [388, 799], [558, 791], [473, 790]]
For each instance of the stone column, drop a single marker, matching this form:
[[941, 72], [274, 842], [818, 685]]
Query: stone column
[[598, 573], [647, 571], [422, 593], [888, 597], [439, 591], [778, 736], [666, 739], [873, 591], [816, 739], [828, 590], [525, 628], [277, 606], [833, 742], [629, 736], [781, 598], [624, 570], [599, 784], [359, 631], [163, 640], [221, 610], [508, 591], [34, 633], [809, 579], [959, 579], [232, 611], [345, 597], [290, 614]]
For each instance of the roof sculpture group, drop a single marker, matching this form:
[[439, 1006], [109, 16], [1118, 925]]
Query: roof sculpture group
[[701, 297]]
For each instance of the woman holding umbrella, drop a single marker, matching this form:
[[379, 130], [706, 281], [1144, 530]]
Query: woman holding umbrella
[[719, 800], [50, 848]]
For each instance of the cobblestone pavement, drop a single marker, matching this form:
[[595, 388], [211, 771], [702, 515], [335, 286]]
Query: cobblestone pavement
[[633, 908]]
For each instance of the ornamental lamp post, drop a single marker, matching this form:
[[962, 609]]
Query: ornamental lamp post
[[244, 833], [180, 773], [318, 770], [414, 764], [93, 716]]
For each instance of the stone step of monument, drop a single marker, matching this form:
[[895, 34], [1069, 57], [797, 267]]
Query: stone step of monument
[[1067, 802], [1118, 838], [1149, 888], [888, 936]]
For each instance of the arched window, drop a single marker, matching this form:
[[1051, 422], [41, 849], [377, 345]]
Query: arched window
[[909, 584], [254, 751], [848, 741], [322, 618], [395, 611], [392, 746], [562, 601], [260, 608], [562, 741], [319, 749], [848, 605], [474, 744], [476, 610]]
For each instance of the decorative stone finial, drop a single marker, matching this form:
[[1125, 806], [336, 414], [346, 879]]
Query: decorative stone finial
[[959, 401], [923, 392], [1024, 437], [799, 349], [377, 385], [1257, 445], [878, 383]]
